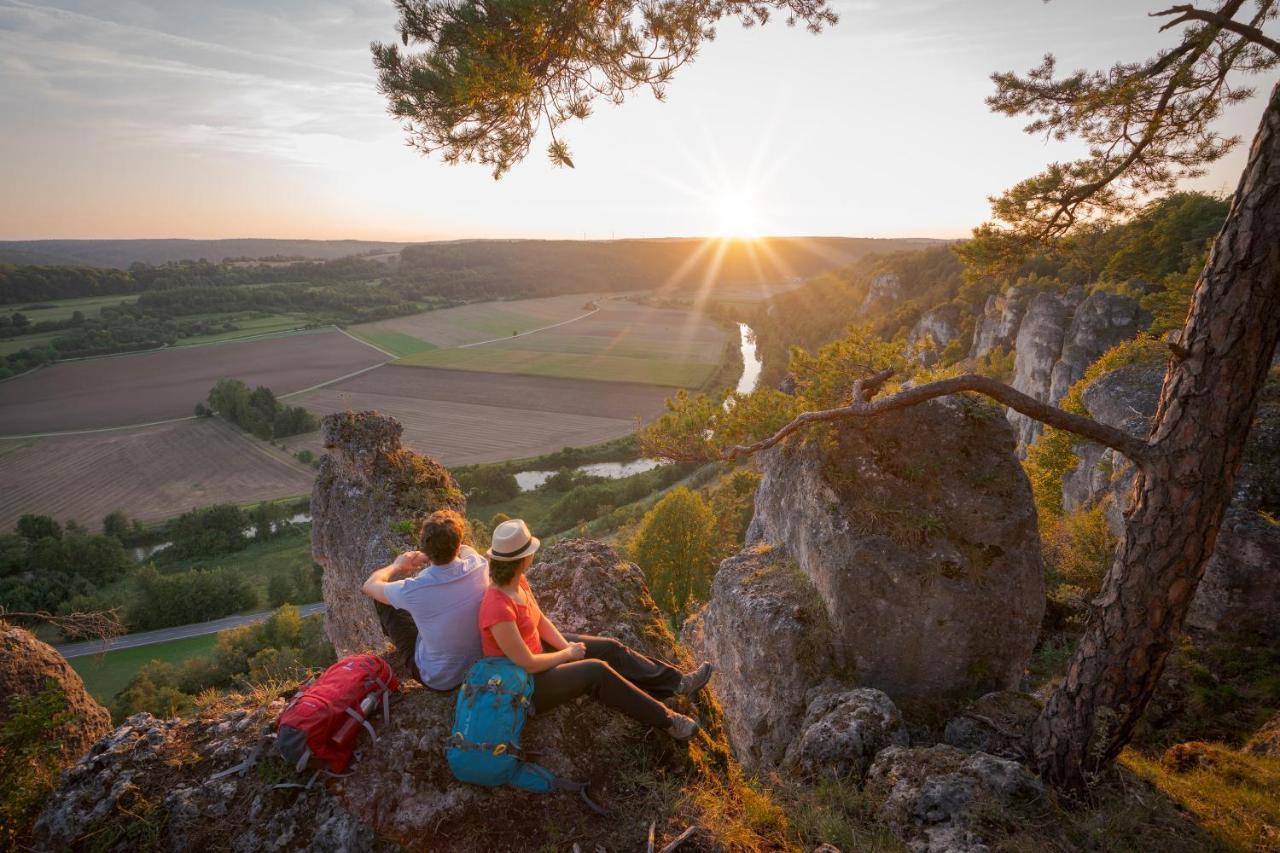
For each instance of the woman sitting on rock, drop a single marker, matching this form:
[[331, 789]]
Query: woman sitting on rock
[[566, 666]]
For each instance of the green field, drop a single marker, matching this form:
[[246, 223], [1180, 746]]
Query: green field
[[648, 367], [107, 674], [62, 309], [248, 328], [258, 563], [12, 345], [397, 343]]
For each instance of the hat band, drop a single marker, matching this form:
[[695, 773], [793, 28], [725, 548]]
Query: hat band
[[506, 555]]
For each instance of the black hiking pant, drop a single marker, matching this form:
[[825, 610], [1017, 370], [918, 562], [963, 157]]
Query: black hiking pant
[[611, 674]]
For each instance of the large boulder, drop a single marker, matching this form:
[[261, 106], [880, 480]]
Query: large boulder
[[162, 772], [29, 667], [367, 488], [998, 325], [766, 630], [1240, 588], [918, 531]]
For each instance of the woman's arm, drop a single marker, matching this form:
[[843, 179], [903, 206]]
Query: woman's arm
[[508, 638], [550, 634]]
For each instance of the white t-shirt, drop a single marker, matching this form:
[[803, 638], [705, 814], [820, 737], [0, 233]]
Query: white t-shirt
[[444, 602]]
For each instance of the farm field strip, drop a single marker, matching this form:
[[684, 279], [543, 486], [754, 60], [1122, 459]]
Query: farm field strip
[[461, 417], [622, 342], [480, 321], [166, 384], [152, 473], [461, 433]]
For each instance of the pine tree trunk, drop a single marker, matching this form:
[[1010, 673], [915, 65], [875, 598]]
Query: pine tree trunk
[[1184, 486]]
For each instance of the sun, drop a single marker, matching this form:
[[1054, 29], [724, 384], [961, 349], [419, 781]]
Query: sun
[[737, 216]]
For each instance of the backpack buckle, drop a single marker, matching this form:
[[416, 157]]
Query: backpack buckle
[[500, 749]]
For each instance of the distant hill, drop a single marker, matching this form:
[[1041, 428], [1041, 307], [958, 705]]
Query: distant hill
[[528, 267], [122, 253], [776, 256]]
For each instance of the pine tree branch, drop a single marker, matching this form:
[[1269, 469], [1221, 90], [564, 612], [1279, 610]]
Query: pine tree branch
[[864, 406], [1187, 12]]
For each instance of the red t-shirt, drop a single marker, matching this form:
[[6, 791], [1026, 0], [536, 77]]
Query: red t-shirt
[[497, 607]]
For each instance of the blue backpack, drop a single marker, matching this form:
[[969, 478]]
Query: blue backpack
[[484, 749]]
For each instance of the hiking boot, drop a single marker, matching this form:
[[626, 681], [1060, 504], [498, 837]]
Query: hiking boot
[[694, 681], [681, 727]]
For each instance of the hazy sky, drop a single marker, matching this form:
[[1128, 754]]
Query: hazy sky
[[252, 118]]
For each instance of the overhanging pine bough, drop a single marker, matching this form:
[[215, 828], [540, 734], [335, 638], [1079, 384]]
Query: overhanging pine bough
[[493, 71]]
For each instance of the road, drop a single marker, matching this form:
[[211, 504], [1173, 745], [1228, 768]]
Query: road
[[181, 632]]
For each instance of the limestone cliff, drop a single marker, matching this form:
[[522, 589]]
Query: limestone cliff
[[1058, 338], [998, 325], [936, 328]]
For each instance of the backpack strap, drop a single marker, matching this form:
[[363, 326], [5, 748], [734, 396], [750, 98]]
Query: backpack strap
[[580, 788], [457, 741]]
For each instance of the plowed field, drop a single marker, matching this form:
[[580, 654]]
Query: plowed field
[[158, 385], [151, 473]]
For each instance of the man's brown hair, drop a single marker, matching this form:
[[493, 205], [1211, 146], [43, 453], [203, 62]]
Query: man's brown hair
[[440, 536]]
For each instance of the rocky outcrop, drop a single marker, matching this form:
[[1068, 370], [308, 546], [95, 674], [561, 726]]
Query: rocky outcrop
[[1266, 741], [762, 686], [163, 772], [1125, 398], [999, 323], [918, 532], [368, 486], [884, 292], [931, 796], [844, 729], [28, 667], [936, 328], [1060, 336], [1238, 590]]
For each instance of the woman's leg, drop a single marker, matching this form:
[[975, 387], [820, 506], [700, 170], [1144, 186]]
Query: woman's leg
[[657, 678], [602, 682]]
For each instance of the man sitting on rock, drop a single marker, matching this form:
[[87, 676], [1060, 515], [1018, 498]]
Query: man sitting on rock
[[428, 602]]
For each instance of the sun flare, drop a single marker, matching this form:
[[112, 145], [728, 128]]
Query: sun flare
[[737, 217]]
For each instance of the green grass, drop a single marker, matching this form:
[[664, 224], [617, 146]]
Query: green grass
[[62, 309], [397, 343], [258, 563], [248, 328], [12, 345], [106, 675], [654, 368]]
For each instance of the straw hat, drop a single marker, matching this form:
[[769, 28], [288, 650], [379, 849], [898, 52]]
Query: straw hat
[[512, 540]]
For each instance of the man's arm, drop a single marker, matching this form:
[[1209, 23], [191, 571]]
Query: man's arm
[[406, 564]]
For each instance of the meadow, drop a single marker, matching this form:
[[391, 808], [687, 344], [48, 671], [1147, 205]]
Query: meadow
[[469, 324], [621, 342], [156, 385], [107, 674], [152, 473]]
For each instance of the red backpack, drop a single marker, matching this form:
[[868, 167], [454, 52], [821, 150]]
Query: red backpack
[[324, 720]]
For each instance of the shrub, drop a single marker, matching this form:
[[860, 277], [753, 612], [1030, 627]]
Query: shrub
[[29, 759], [674, 546]]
